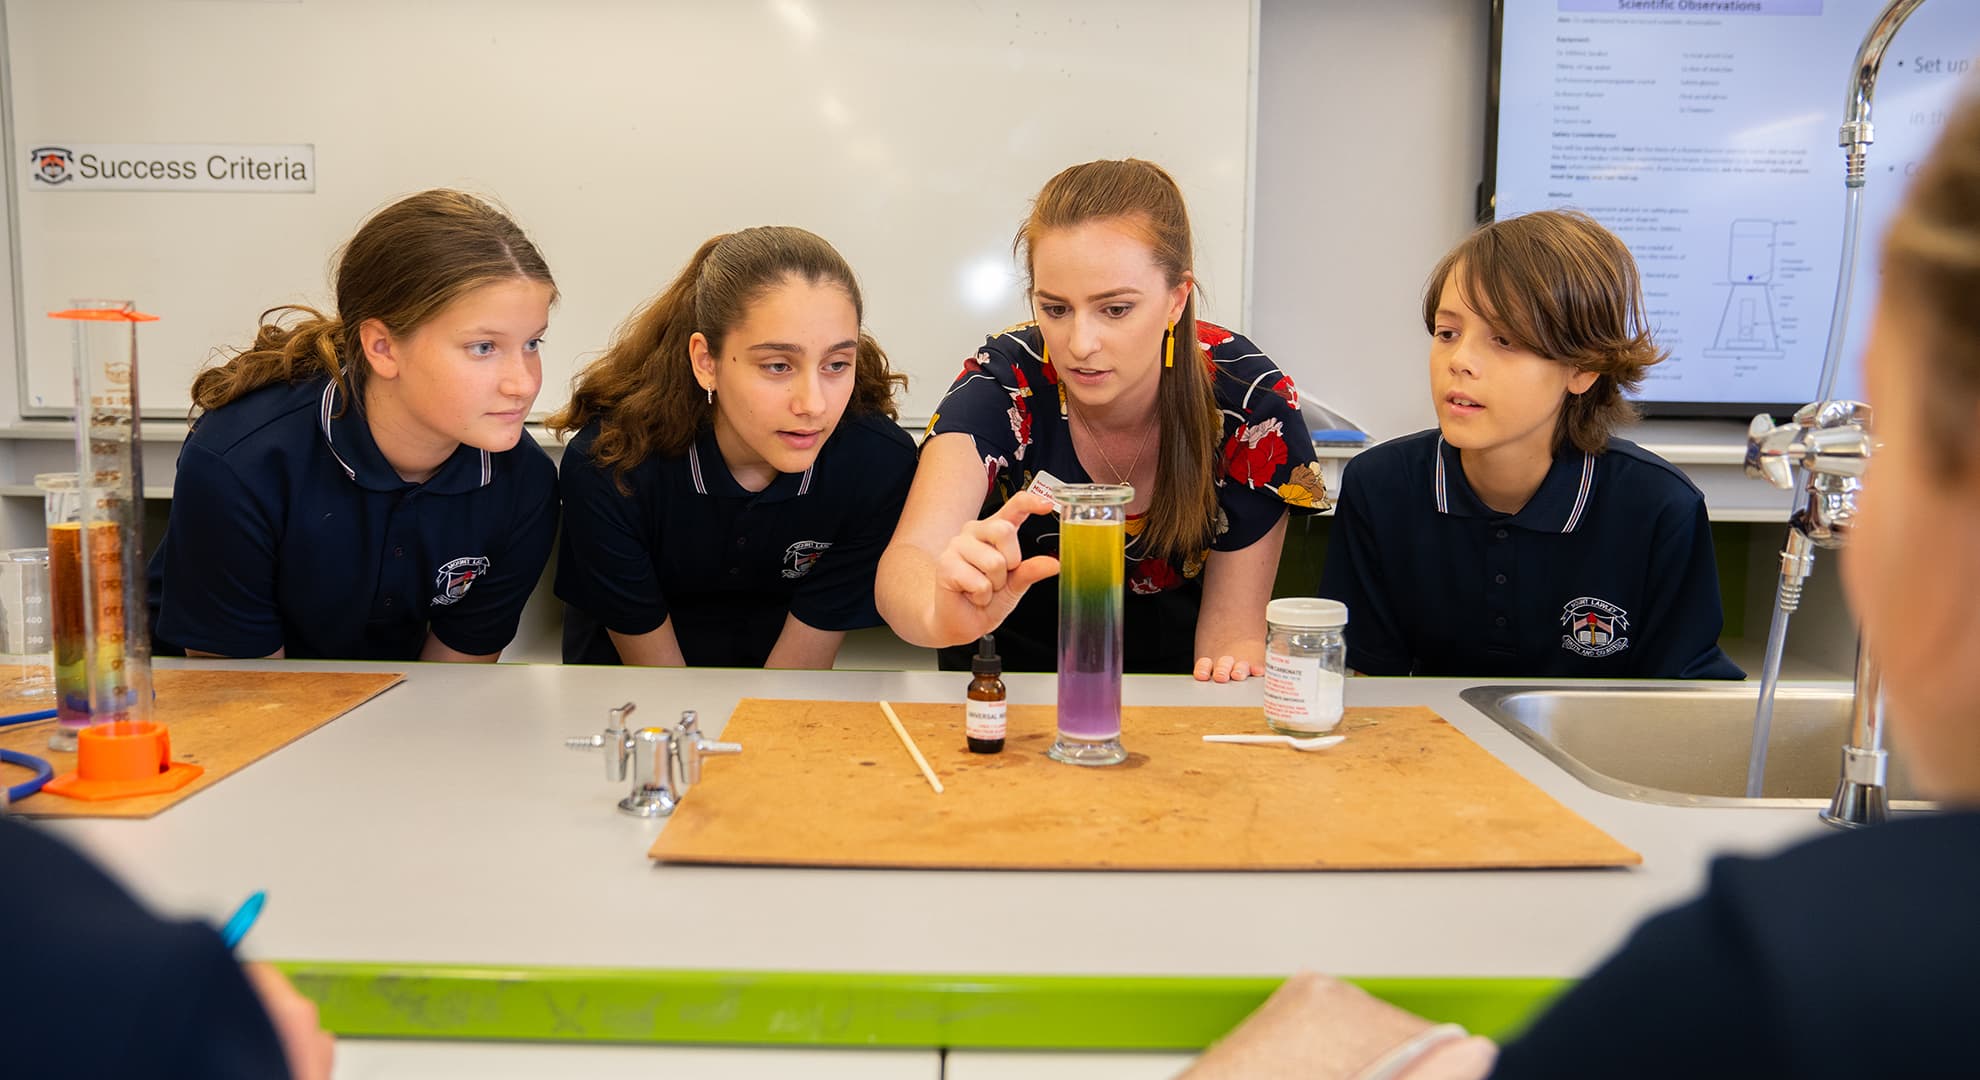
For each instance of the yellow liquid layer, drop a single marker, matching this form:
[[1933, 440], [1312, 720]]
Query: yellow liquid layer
[[1092, 558]]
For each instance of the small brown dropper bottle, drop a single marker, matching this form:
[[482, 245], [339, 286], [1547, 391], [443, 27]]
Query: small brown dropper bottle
[[984, 714]]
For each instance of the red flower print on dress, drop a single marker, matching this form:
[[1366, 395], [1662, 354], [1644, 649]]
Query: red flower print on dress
[[992, 465], [1285, 389], [1212, 335], [1020, 411], [1254, 453], [1023, 388], [1150, 576]]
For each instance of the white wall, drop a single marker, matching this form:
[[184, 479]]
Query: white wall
[[910, 134], [1371, 128], [1370, 121]]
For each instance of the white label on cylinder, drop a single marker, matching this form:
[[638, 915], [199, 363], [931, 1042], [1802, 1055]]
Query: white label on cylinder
[[983, 719], [1300, 695]]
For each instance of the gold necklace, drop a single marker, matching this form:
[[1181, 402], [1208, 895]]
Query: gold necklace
[[1119, 476]]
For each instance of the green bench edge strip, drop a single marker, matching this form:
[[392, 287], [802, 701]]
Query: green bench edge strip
[[757, 1008]]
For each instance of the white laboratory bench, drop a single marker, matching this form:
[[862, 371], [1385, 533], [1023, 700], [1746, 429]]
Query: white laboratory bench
[[438, 866]]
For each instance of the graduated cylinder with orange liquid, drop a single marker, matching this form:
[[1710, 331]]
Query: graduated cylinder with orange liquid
[[79, 584], [99, 621]]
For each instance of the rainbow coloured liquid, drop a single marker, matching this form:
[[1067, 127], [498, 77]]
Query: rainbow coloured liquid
[[69, 582], [1092, 569]]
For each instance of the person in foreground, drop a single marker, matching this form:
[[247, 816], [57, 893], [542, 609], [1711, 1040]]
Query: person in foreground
[[1851, 955], [98, 986]]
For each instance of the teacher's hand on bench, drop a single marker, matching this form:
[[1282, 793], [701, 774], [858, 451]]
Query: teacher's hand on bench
[[1224, 669]]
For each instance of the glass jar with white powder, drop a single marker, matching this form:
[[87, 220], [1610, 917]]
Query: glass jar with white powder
[[1305, 664]]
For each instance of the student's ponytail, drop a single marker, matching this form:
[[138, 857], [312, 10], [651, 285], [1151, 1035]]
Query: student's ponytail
[[645, 374], [281, 353], [875, 384], [643, 391]]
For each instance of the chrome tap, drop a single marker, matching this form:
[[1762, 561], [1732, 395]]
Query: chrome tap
[[665, 763], [1829, 442]]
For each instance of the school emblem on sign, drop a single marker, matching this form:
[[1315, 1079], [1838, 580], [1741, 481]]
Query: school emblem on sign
[[454, 579], [800, 557], [51, 164], [1595, 628]]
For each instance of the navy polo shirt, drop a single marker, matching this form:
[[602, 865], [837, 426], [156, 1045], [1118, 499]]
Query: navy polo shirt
[[1607, 572], [290, 530], [727, 564]]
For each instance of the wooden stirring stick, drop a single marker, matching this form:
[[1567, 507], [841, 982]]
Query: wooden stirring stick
[[912, 749]]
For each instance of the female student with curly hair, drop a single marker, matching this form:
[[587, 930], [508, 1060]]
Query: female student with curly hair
[[736, 468]]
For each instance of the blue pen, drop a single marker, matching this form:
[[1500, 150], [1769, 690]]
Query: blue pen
[[244, 916]]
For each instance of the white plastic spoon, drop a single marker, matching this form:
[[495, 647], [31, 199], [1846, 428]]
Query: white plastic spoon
[[1318, 742]]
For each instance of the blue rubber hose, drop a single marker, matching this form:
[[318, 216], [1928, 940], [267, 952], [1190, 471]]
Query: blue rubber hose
[[27, 717], [43, 772]]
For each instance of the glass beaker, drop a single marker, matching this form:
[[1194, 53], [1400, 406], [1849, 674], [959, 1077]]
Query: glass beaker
[[24, 624], [1092, 569]]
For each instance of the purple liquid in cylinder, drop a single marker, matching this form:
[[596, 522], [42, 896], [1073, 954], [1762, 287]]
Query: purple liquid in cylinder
[[1089, 703]]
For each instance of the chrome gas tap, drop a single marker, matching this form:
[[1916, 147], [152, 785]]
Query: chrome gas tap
[[1831, 444], [665, 763]]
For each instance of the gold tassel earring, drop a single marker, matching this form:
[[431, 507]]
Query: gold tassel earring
[[1169, 346]]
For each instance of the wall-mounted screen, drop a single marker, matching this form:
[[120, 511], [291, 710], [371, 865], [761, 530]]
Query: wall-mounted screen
[[1704, 133]]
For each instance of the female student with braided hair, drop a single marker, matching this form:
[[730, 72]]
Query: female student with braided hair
[[357, 485]]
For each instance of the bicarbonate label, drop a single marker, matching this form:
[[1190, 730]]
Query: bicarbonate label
[[1300, 696]]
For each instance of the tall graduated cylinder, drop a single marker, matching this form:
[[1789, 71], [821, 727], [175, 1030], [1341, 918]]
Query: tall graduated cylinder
[[1092, 568], [102, 642]]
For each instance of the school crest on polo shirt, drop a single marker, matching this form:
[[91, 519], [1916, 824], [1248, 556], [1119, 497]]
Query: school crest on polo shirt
[[455, 578], [800, 557], [1594, 627]]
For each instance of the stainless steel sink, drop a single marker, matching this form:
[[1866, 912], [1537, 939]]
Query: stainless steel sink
[[1686, 745]]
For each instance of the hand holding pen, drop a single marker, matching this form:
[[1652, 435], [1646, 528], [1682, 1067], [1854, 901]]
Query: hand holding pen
[[310, 1050]]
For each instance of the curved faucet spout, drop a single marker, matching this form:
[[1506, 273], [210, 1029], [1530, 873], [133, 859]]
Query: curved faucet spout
[[1856, 130]]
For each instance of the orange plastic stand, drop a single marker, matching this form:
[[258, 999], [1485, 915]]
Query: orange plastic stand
[[102, 315], [121, 759]]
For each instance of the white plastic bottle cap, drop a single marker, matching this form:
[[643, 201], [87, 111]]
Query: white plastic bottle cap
[[1307, 613]]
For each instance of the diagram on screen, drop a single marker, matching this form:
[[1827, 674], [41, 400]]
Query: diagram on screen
[[1746, 328]]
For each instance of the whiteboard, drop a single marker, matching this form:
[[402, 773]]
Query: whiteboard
[[911, 135]]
